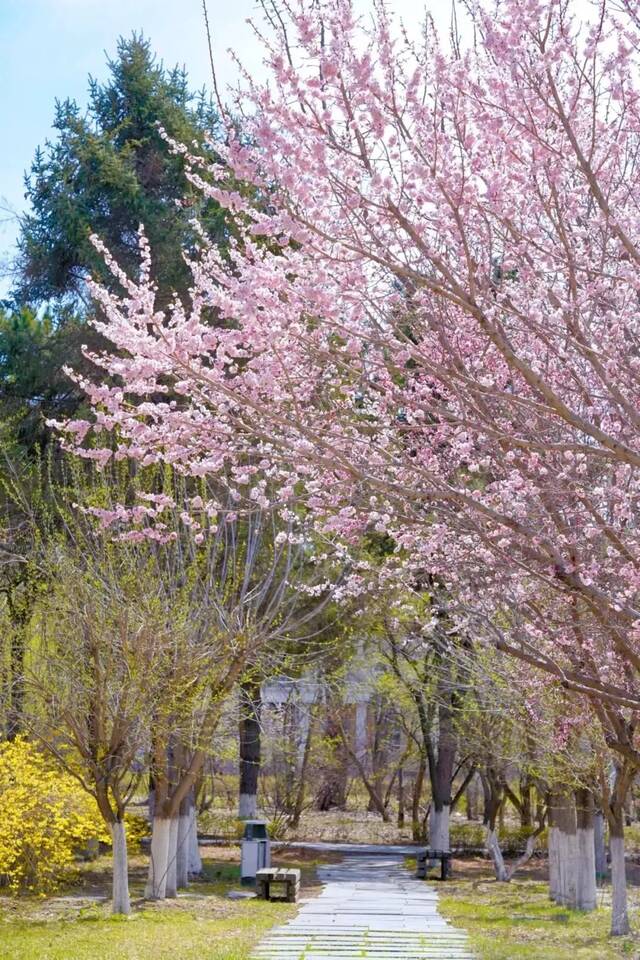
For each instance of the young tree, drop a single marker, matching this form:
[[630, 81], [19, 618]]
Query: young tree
[[258, 587], [100, 674]]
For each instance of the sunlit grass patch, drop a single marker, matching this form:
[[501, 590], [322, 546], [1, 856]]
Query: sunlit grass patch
[[517, 921], [201, 924]]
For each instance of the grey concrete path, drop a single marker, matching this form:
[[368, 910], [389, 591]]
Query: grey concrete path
[[348, 849], [370, 907]]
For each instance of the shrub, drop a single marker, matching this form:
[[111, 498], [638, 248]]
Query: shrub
[[471, 836], [138, 828], [45, 816], [467, 836]]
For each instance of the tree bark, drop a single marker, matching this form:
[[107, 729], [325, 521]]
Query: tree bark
[[586, 897], [619, 908], [418, 785], [527, 854], [302, 777], [159, 859], [120, 901], [493, 791], [553, 848], [526, 801], [400, 799], [568, 851], [600, 848], [15, 708], [614, 792], [493, 847], [182, 851], [471, 794], [171, 888], [194, 860], [439, 823], [249, 731], [441, 753], [332, 793]]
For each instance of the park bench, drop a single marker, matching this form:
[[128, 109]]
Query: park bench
[[278, 883], [426, 857]]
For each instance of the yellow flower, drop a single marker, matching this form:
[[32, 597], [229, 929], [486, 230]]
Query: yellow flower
[[47, 818]]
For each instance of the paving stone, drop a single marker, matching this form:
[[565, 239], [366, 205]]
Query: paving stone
[[370, 907]]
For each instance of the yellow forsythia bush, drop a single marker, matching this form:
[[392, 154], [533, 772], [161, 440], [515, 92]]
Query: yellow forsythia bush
[[45, 817], [138, 828]]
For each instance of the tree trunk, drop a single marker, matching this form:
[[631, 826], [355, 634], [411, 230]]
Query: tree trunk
[[439, 838], [553, 843], [441, 754], [586, 896], [619, 909], [493, 790], [418, 785], [381, 741], [599, 845], [120, 902], [400, 799], [302, 778], [15, 708], [526, 801], [493, 847], [568, 852], [527, 854], [194, 862], [159, 859], [332, 793], [171, 888], [471, 794], [182, 851], [249, 729]]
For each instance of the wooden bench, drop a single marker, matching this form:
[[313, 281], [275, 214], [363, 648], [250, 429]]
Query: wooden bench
[[273, 883], [423, 860]]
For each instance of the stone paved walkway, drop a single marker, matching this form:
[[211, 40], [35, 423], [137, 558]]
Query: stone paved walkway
[[370, 907]]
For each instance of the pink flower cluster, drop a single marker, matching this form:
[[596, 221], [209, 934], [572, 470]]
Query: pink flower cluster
[[429, 325]]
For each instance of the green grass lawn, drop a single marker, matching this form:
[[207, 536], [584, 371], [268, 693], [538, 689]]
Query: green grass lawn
[[148, 935], [202, 924], [516, 921]]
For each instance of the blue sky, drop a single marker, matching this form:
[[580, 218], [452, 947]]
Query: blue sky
[[48, 48]]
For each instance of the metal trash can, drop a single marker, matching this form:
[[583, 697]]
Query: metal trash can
[[256, 851]]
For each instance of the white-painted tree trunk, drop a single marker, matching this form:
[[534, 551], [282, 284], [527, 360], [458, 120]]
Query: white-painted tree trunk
[[247, 806], [159, 859], [562, 867], [568, 851], [182, 851], [587, 892], [619, 910], [600, 849], [194, 863], [565, 820], [554, 863], [493, 848], [439, 838], [120, 902], [171, 889]]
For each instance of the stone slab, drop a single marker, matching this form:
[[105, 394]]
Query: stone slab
[[370, 907]]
